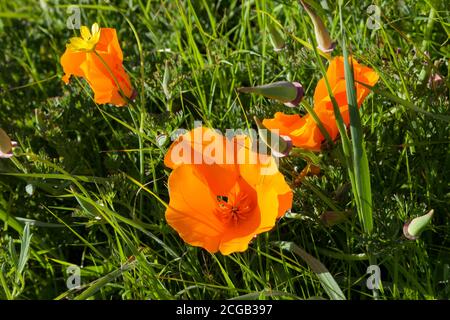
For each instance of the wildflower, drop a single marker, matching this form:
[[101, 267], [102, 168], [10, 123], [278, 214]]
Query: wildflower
[[6, 145], [97, 57], [222, 205], [303, 130]]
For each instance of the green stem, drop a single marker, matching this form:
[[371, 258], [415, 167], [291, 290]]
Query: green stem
[[124, 96], [140, 128], [5, 286], [141, 111]]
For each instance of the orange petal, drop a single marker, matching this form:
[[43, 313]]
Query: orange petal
[[71, 62], [269, 207], [109, 49], [336, 79], [284, 193], [208, 150], [102, 80], [191, 210], [303, 131], [285, 203], [335, 72], [233, 245], [274, 199], [325, 113], [264, 177], [196, 147], [109, 44]]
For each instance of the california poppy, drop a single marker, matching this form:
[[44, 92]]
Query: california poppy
[[222, 204], [96, 56], [336, 78], [303, 131]]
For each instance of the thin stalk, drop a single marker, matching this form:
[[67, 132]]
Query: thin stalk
[[8, 294]]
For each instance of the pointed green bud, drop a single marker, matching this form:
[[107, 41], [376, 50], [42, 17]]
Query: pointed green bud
[[412, 229], [289, 93], [280, 146], [325, 44], [276, 37], [6, 145]]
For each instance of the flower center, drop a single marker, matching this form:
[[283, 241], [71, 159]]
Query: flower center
[[234, 208], [87, 41]]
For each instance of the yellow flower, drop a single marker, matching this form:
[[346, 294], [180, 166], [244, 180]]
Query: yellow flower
[[87, 41]]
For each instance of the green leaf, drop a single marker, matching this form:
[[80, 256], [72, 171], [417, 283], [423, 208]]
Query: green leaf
[[360, 162], [24, 250]]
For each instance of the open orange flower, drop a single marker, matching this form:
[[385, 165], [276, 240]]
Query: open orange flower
[[303, 131], [222, 203], [96, 56]]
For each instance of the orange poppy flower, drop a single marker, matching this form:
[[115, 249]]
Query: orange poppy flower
[[97, 57], [223, 202], [303, 131], [336, 78]]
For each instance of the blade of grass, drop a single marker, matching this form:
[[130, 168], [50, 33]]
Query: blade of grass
[[362, 192], [24, 251], [359, 155], [326, 279], [96, 285]]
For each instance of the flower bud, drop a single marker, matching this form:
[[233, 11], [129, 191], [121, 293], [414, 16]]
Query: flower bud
[[325, 44], [279, 145], [435, 81], [412, 229], [289, 93], [6, 145]]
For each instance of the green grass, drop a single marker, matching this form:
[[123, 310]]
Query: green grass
[[87, 185]]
